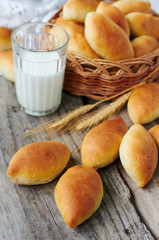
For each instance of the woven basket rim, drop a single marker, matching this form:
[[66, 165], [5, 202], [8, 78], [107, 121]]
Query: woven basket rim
[[141, 59]]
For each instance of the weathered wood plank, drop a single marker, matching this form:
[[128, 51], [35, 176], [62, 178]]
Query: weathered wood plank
[[30, 212], [146, 199]]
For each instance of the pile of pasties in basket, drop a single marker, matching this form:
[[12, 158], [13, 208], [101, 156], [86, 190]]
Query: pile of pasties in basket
[[120, 30]]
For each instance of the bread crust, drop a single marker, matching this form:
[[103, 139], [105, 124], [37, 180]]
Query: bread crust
[[106, 38], [154, 131], [6, 65], [5, 38], [114, 14], [143, 24], [143, 104], [100, 146], [77, 10], [38, 163], [78, 194], [138, 154], [144, 44], [128, 6]]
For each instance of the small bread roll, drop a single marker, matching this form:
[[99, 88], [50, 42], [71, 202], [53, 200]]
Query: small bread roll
[[128, 6], [6, 65], [138, 154], [154, 131], [77, 10], [38, 163], [143, 104], [78, 194], [100, 146], [143, 24], [144, 44], [106, 38], [77, 42], [114, 14], [5, 38]]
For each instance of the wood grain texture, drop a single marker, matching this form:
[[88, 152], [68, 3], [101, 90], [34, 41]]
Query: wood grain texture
[[30, 212], [146, 199]]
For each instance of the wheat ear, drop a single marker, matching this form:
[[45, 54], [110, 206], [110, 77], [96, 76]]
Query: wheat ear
[[103, 113]]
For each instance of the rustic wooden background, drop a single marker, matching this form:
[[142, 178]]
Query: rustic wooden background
[[30, 212]]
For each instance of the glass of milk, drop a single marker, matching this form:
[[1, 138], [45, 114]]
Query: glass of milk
[[39, 51]]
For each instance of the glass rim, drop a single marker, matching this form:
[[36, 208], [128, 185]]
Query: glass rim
[[43, 23]]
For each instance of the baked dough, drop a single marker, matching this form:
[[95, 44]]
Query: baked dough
[[144, 44], [114, 14], [77, 9], [78, 194], [138, 154], [154, 131], [143, 24], [5, 38], [100, 146], [143, 104], [128, 6], [6, 65], [77, 42], [38, 163], [106, 38]]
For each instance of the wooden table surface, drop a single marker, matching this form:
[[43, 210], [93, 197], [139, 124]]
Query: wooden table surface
[[30, 212]]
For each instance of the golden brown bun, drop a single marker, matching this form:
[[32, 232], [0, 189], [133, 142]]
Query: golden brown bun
[[143, 104], [100, 146], [114, 14], [103, 36], [138, 154], [154, 131], [70, 26], [144, 44], [77, 42], [78, 194], [5, 38], [128, 6], [6, 65], [77, 9], [38, 163], [143, 24]]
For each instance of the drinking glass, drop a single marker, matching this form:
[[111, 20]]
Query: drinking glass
[[39, 52]]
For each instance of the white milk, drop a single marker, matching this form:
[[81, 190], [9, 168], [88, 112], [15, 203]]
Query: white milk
[[39, 66], [39, 80]]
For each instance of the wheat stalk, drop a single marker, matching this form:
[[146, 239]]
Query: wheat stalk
[[92, 118], [65, 120], [103, 113]]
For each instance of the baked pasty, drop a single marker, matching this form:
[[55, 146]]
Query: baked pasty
[[144, 44], [143, 104], [38, 163], [100, 146], [103, 36], [5, 38], [154, 131], [6, 65], [143, 24], [114, 14], [128, 6], [78, 194], [77, 10], [138, 154]]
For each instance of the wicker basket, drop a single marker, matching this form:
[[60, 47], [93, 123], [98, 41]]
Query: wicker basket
[[100, 78]]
